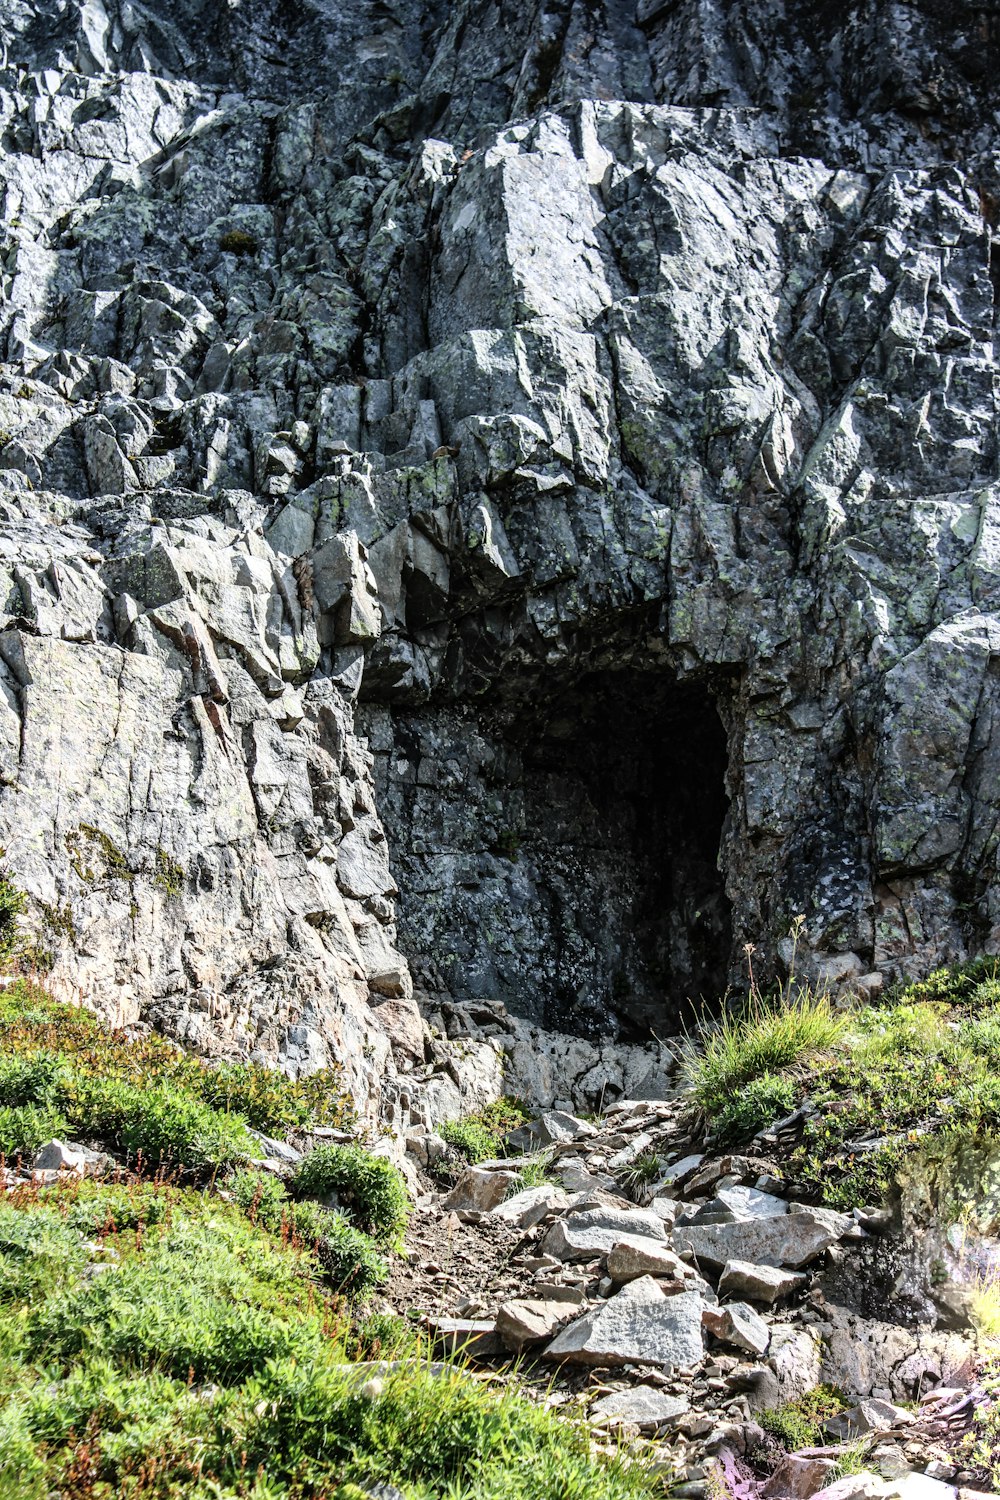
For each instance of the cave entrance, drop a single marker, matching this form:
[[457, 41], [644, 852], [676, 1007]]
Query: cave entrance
[[624, 802], [559, 852]]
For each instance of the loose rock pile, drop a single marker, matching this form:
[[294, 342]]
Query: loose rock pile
[[679, 1320]]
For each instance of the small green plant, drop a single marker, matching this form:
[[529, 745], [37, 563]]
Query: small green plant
[[985, 1307], [12, 904], [759, 1103], [799, 1423], [482, 1136], [535, 1172], [641, 1174], [507, 845], [238, 242], [852, 1458], [368, 1188], [168, 875]]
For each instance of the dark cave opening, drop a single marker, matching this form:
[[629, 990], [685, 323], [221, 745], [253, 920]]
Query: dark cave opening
[[560, 852], [625, 802]]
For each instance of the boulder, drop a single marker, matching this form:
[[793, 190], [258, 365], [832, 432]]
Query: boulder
[[639, 1325], [867, 1417], [637, 1256], [582, 1236], [530, 1206], [473, 1337], [58, 1156], [523, 1323], [767, 1284], [477, 1191], [792, 1239], [798, 1478]]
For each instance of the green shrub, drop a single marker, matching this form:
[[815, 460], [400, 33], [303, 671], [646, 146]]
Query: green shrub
[[765, 1037], [471, 1139], [758, 1104], [799, 1423], [368, 1188], [482, 1136], [348, 1256], [238, 242], [25, 1127], [12, 904]]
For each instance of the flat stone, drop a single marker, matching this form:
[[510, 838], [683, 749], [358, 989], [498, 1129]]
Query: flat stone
[[792, 1239], [644, 1407], [639, 1325], [530, 1206], [798, 1478], [637, 1256], [476, 1337], [739, 1325], [556, 1125], [478, 1190], [767, 1284], [582, 1236], [751, 1203], [523, 1323]]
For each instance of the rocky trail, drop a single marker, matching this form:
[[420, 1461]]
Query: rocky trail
[[677, 1320]]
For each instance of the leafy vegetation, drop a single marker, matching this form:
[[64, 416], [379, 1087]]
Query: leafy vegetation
[[164, 1339], [482, 1136], [368, 1187], [156, 1341], [62, 1070], [799, 1423], [348, 1255]]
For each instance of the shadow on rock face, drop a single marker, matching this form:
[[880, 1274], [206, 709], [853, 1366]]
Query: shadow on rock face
[[561, 855]]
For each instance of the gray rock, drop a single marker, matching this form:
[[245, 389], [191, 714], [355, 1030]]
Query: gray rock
[[639, 1325], [792, 1239], [638, 1256], [798, 1477], [478, 1191], [530, 1206], [767, 1284], [643, 1406], [58, 1156], [522, 1323], [582, 1236], [868, 1417], [739, 1325]]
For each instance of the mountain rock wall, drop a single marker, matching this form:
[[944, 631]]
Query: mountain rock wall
[[502, 497]]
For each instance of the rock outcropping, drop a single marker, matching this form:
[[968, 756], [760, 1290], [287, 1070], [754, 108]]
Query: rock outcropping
[[501, 495]]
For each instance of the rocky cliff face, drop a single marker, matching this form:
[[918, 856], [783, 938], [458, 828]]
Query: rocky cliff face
[[496, 494]]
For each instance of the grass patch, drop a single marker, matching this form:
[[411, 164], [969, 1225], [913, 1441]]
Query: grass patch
[[640, 1175], [159, 1341], [766, 1037], [882, 1084]]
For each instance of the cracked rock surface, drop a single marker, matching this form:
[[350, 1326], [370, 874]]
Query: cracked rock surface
[[498, 508]]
